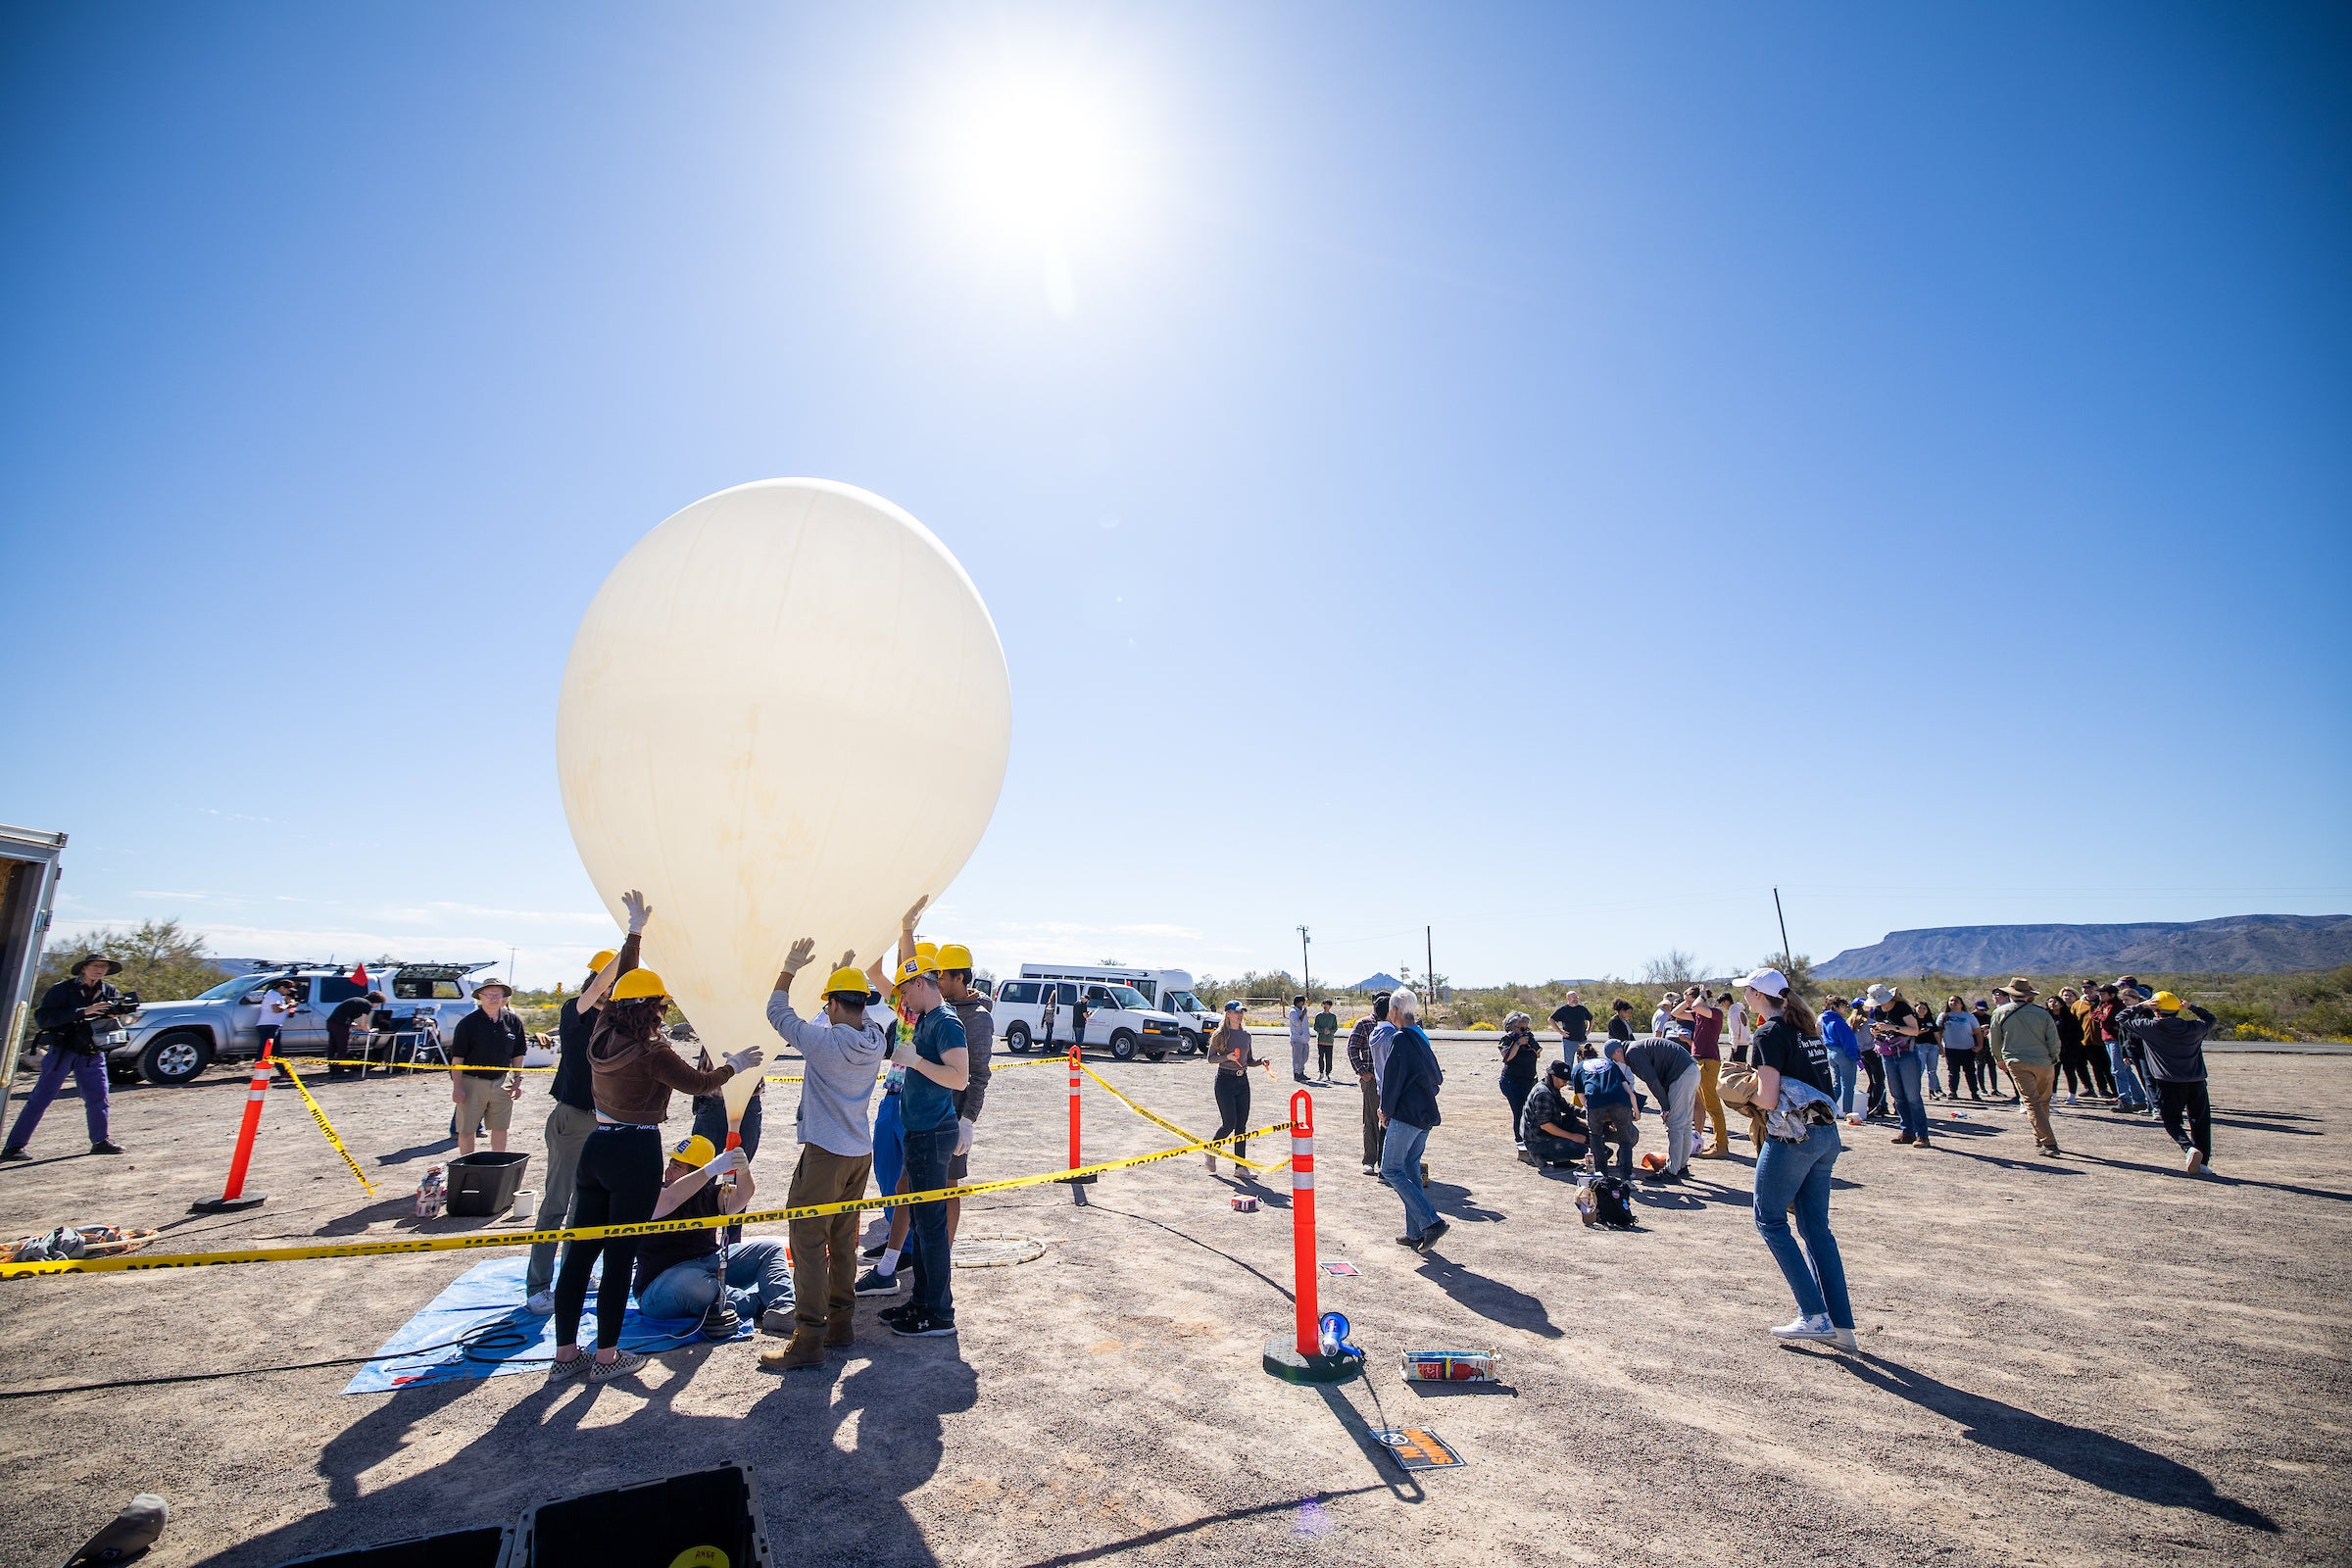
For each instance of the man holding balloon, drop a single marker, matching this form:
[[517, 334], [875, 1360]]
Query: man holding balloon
[[936, 1061]]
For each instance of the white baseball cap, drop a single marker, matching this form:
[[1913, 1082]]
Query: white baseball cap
[[1771, 982]]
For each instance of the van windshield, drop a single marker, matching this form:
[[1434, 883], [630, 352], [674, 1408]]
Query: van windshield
[[1128, 996], [1182, 1002]]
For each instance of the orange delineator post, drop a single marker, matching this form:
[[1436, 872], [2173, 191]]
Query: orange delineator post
[[1302, 1222], [234, 1195], [1077, 1187]]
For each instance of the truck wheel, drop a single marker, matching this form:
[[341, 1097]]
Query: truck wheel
[[1122, 1044], [176, 1057], [1017, 1038], [1155, 1055], [1196, 1044]]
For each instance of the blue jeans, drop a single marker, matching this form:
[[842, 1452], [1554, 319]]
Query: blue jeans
[[1928, 1055], [1902, 1084], [88, 1069], [1798, 1175], [754, 1275], [711, 1121], [1849, 1071], [2129, 1092], [890, 1155], [1401, 1162], [927, 1157]]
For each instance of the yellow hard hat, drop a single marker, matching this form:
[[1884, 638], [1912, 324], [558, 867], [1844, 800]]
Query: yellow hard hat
[[849, 981], [927, 950], [639, 983], [954, 955], [2166, 1002], [922, 966], [696, 1151], [597, 963]]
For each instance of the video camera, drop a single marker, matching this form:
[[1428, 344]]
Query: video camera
[[123, 1005]]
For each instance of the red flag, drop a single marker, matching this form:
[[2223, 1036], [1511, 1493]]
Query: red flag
[[358, 975]]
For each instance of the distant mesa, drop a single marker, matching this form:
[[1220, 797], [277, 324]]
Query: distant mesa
[[2238, 944], [1383, 981]]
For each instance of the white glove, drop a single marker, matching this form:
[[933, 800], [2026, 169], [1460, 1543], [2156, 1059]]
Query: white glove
[[746, 1059], [963, 1135], [726, 1160], [633, 903]]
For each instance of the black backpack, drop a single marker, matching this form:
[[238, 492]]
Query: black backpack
[[1612, 1203]]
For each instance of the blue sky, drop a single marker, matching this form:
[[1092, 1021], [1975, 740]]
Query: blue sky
[[1549, 473]]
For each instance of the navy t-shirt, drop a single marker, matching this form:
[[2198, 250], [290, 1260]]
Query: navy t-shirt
[[924, 1105]]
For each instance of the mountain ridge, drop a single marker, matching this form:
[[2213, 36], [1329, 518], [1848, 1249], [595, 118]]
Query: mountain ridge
[[2237, 944]]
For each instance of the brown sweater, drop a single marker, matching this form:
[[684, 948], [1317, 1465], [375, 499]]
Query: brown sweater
[[633, 1078]]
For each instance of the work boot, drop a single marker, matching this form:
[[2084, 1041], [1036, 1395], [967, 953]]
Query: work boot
[[840, 1327], [806, 1348]]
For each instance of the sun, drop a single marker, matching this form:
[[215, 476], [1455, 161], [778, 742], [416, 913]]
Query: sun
[[1041, 157]]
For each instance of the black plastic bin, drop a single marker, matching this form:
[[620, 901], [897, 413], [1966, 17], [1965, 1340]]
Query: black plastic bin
[[648, 1526], [487, 1546], [485, 1183]]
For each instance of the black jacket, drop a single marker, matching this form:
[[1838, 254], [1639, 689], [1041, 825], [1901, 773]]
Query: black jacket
[[59, 1016], [1409, 1089]]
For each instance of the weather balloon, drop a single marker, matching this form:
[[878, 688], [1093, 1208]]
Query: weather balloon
[[786, 714]]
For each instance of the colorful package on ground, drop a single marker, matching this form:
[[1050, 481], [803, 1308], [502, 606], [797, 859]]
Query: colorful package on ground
[[1448, 1367]]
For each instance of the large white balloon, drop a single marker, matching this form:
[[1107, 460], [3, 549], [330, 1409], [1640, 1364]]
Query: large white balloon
[[786, 714]]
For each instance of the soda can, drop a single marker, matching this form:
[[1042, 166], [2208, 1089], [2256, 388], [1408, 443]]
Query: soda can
[[1448, 1367]]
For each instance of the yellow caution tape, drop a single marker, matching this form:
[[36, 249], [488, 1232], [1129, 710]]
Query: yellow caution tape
[[588, 1233], [1157, 1120], [420, 1066], [325, 1126]]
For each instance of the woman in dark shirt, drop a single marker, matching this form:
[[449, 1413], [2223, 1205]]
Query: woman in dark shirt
[[1234, 1054], [1795, 1175], [1621, 1027]]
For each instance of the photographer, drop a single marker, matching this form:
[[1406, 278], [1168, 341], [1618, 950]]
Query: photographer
[[68, 1019]]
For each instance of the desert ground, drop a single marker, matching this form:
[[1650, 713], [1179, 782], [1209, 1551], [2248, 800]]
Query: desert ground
[[2093, 1359]]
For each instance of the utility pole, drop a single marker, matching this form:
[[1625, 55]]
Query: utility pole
[[1306, 970], [1429, 965], [1785, 954]]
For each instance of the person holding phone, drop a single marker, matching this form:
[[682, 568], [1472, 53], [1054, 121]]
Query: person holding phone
[[1235, 1053]]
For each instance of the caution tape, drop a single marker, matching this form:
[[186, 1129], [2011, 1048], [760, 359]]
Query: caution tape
[[590, 1233], [1157, 1120], [420, 1066], [325, 1126]]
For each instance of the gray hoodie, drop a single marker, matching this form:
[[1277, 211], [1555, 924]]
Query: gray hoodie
[[839, 1076]]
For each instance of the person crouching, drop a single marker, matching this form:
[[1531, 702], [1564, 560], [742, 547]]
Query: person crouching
[[1550, 1130], [688, 1273]]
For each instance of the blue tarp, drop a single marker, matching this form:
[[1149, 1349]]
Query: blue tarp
[[489, 1296]]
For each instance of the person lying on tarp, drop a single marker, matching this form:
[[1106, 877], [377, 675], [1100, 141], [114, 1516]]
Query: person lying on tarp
[[1550, 1127], [688, 1273]]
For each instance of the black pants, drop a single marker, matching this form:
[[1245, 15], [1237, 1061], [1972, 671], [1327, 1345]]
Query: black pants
[[620, 1178], [1078, 1030], [1516, 1090], [2100, 1069], [1956, 1061], [1873, 1066], [1233, 1108], [338, 1047], [1554, 1150], [1323, 1059], [2187, 1102], [2077, 1067]]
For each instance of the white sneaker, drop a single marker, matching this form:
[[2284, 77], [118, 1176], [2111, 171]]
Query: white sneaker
[[542, 1302], [2070, 1099], [1816, 1327], [1845, 1340], [2194, 1164]]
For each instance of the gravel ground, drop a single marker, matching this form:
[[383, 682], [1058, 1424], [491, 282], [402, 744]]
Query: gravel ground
[[2086, 1360]]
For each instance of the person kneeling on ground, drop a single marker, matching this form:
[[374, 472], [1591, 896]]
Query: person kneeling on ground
[[1550, 1130], [1609, 1108], [688, 1273]]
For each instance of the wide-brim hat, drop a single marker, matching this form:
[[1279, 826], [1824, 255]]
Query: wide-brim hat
[[480, 986], [1877, 996], [2021, 987], [113, 966]]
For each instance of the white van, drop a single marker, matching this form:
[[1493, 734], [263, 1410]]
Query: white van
[[1168, 991], [1120, 1017]]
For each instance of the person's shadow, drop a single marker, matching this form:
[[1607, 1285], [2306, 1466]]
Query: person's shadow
[[868, 1429], [2083, 1453], [1489, 1299]]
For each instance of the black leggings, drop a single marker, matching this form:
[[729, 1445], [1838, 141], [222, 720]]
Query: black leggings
[[1233, 1108], [618, 1179], [2188, 1102], [2078, 1078], [1956, 1061]]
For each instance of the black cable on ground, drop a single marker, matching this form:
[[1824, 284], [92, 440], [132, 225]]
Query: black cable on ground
[[501, 1336]]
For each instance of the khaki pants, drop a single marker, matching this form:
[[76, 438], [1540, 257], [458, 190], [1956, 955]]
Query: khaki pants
[[486, 1101], [824, 1251], [2036, 1084], [1710, 1105]]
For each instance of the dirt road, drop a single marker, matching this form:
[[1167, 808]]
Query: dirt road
[[2089, 1360]]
